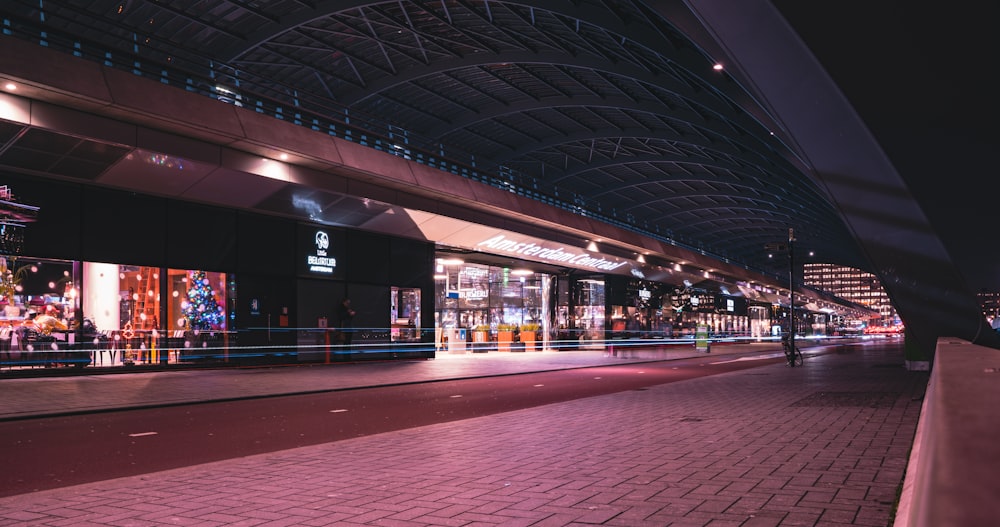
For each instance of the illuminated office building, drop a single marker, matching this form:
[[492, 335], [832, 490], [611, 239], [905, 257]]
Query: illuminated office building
[[853, 285], [989, 301]]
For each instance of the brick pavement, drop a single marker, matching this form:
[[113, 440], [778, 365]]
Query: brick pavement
[[825, 444]]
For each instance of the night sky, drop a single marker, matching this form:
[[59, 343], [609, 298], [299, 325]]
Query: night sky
[[923, 81]]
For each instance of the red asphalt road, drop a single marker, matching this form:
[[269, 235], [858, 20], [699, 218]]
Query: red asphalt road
[[47, 453]]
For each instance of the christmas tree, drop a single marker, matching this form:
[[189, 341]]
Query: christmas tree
[[201, 310]]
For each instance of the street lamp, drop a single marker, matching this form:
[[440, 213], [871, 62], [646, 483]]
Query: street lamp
[[778, 247], [791, 289]]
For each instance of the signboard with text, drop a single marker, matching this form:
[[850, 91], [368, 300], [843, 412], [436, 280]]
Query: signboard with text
[[321, 251]]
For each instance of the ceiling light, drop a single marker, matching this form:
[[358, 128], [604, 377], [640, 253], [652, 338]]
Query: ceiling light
[[450, 261], [10, 86], [717, 67], [522, 272]]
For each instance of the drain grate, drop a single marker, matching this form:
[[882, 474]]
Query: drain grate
[[864, 399]]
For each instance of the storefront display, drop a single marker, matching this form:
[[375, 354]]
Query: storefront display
[[490, 302], [38, 320], [112, 315], [144, 281]]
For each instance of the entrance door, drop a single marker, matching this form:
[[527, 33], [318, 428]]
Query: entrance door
[[266, 317]]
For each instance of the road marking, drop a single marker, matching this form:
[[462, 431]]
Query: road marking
[[756, 357], [342, 410], [140, 434]]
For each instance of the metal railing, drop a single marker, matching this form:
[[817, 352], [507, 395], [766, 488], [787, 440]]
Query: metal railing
[[206, 77]]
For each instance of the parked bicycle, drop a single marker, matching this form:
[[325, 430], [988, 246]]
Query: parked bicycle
[[792, 353]]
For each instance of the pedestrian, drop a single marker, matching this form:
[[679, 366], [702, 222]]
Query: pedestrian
[[345, 315]]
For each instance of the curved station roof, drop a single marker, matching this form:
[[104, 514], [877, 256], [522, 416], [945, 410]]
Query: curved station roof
[[705, 126]]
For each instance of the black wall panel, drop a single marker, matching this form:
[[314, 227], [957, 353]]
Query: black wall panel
[[319, 298], [367, 258], [615, 291], [411, 262], [265, 244], [200, 237], [123, 227], [56, 232]]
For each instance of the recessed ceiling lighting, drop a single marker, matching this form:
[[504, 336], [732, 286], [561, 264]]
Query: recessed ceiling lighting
[[10, 86], [717, 67]]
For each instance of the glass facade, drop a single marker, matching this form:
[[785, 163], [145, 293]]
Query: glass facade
[[40, 299], [589, 303], [478, 301], [59, 313], [405, 314]]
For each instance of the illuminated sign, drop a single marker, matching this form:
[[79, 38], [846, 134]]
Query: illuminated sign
[[320, 261], [476, 294], [645, 294], [474, 272], [576, 258]]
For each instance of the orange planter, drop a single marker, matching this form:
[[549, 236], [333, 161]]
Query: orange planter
[[504, 338], [528, 338]]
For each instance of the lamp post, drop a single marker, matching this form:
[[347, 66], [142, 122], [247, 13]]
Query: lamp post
[[777, 247], [791, 288]]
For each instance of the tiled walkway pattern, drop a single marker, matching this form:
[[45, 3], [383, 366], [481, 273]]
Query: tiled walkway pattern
[[825, 444]]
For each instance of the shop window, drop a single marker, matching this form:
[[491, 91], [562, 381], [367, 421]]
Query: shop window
[[480, 298], [405, 314], [139, 287], [197, 300], [589, 309], [121, 313], [34, 286], [38, 300]]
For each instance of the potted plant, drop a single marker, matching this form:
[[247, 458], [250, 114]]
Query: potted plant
[[529, 334], [505, 335], [480, 338]]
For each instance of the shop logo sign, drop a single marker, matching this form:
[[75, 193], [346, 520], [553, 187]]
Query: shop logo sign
[[320, 261], [322, 241]]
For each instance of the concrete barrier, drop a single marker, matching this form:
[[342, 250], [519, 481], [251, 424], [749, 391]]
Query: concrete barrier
[[953, 475]]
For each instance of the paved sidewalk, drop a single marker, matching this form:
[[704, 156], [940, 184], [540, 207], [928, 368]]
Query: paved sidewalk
[[45, 396], [825, 444]]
